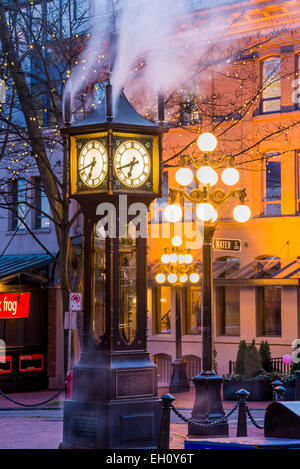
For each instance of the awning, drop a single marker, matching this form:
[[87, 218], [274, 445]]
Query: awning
[[263, 272], [23, 264]]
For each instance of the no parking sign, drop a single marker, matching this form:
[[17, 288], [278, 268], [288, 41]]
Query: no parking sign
[[75, 301]]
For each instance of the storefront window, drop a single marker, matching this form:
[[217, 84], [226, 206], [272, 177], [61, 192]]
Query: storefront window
[[161, 309], [98, 286], [228, 310], [269, 310], [192, 310], [128, 294]]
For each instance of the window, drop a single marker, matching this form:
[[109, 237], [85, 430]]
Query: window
[[161, 310], [271, 86], [18, 204], [272, 199], [192, 297], [228, 310], [42, 206], [269, 310]]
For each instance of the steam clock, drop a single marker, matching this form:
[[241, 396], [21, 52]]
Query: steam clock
[[113, 156]]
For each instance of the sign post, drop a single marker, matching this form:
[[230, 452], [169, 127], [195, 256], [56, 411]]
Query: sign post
[[71, 318]]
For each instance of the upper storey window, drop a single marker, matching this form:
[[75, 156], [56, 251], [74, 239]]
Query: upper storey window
[[271, 85]]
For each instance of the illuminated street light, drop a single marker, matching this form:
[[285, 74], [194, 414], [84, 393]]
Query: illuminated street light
[[241, 213], [194, 277], [176, 241], [230, 176], [160, 278], [173, 213], [184, 176], [205, 212], [172, 278], [207, 142], [207, 199], [165, 258], [207, 175]]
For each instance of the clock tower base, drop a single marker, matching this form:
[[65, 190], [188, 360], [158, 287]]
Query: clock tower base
[[114, 403]]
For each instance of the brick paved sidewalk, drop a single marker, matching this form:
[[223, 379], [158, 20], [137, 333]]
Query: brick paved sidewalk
[[46, 432]]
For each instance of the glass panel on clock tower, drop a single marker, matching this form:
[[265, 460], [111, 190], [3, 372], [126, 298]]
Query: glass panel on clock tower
[[128, 293], [98, 287]]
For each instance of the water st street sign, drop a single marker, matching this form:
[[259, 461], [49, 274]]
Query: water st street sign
[[220, 244]]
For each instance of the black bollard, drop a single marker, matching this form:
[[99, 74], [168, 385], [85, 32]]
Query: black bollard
[[242, 416], [297, 386], [164, 434]]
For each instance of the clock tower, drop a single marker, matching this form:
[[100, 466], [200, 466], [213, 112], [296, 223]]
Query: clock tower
[[114, 156]]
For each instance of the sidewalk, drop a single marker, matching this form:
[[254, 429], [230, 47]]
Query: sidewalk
[[46, 432]]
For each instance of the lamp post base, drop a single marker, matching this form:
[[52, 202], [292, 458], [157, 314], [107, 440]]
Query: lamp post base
[[179, 381], [208, 407]]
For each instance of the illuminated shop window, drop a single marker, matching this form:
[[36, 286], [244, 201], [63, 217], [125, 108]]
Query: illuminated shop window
[[272, 197], [192, 300], [228, 310], [269, 310], [161, 310], [271, 85]]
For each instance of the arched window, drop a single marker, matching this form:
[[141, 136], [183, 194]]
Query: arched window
[[271, 85]]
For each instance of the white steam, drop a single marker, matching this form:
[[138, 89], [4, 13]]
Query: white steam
[[159, 36]]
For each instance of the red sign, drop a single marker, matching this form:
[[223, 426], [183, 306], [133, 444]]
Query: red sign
[[14, 305], [31, 362], [6, 364]]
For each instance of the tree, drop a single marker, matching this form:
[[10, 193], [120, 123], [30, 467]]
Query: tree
[[240, 358]]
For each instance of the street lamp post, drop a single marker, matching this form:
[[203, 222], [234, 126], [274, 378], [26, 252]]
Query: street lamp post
[[177, 268], [207, 199]]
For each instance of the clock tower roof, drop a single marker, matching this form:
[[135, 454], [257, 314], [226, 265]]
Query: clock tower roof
[[123, 117]]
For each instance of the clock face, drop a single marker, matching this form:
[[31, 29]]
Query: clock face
[[132, 163], [92, 163]]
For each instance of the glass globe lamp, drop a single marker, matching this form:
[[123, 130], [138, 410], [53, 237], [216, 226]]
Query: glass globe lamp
[[205, 211], [172, 278], [173, 213], [194, 277], [207, 175], [188, 258], [241, 213], [183, 278], [207, 142], [230, 176], [160, 278], [184, 176], [176, 241], [165, 258], [173, 257]]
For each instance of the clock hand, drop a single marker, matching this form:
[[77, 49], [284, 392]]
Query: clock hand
[[87, 166], [92, 167], [128, 164], [133, 162]]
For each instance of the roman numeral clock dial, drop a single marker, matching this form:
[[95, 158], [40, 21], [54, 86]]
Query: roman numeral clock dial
[[132, 164], [92, 164]]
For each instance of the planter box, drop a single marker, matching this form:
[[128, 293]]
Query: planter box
[[259, 390]]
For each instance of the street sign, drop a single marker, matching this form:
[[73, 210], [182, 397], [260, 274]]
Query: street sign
[[220, 244], [70, 320], [75, 302]]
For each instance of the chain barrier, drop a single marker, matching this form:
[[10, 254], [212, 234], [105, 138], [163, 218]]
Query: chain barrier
[[37, 404], [208, 424], [252, 419]]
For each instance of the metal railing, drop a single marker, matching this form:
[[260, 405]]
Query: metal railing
[[274, 365]]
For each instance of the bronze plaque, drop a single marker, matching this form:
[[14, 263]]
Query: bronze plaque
[[134, 383]]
